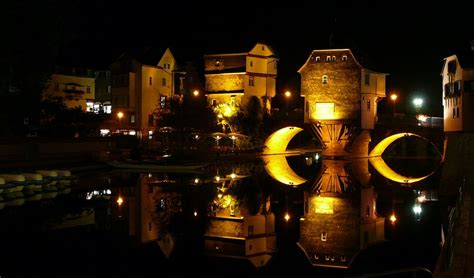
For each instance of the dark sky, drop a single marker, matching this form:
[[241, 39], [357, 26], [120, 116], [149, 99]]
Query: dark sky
[[407, 39]]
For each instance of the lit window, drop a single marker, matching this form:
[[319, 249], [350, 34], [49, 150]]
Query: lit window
[[367, 79], [90, 106], [333, 58], [318, 59], [150, 81], [132, 118], [324, 236], [163, 82], [163, 101], [325, 79], [344, 58], [328, 58], [109, 89], [97, 106], [251, 80]]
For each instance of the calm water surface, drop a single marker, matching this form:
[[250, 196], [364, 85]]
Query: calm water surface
[[344, 219]]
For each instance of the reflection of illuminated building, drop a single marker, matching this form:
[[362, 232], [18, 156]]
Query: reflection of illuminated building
[[339, 220], [234, 233]]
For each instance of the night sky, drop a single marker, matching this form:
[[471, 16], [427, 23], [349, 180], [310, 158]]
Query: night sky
[[405, 39]]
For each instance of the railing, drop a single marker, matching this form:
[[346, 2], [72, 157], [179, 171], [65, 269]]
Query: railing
[[410, 272]]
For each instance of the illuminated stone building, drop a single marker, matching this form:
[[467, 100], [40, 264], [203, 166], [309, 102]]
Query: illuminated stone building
[[235, 233], [142, 82], [236, 77], [458, 90], [77, 89], [340, 97], [340, 216]]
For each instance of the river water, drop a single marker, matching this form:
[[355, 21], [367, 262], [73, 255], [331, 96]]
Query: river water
[[327, 217]]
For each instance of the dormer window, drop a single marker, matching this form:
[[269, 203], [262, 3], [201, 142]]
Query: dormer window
[[317, 59], [344, 58], [328, 58], [333, 58], [251, 63], [263, 47]]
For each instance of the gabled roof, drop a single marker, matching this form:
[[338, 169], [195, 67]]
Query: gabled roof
[[145, 55]]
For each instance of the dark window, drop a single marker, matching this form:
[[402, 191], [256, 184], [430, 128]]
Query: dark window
[[318, 58], [251, 80], [344, 58], [333, 58], [366, 237], [56, 86], [149, 226], [150, 80], [251, 63], [250, 230], [367, 211], [367, 79], [150, 120], [163, 82], [368, 105], [452, 67], [328, 58], [88, 89], [214, 102], [250, 247], [457, 111], [325, 79], [454, 113]]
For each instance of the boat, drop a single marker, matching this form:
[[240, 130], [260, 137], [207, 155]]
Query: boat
[[156, 167]]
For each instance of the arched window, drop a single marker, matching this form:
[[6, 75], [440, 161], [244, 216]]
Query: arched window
[[325, 79]]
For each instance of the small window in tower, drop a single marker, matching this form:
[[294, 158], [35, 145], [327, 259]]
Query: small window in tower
[[324, 236], [328, 58], [163, 81], [368, 105], [367, 79], [318, 59], [251, 80], [344, 58], [454, 113], [333, 58], [251, 63], [325, 79], [150, 80], [457, 111]]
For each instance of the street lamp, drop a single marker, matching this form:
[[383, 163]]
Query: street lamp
[[287, 95], [196, 93], [393, 97], [120, 116], [418, 103]]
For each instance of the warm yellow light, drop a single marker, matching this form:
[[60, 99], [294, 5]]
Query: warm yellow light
[[382, 145], [287, 94], [323, 205], [120, 115], [324, 110], [219, 116], [382, 168], [277, 142], [119, 200], [219, 195], [196, 180], [393, 97], [287, 217], [393, 218], [278, 168], [218, 178], [233, 175], [195, 213], [196, 93]]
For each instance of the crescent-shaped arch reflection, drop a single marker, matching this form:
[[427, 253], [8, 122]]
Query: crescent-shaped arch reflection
[[274, 160], [376, 160]]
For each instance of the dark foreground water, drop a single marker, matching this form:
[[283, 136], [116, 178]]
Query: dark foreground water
[[344, 219]]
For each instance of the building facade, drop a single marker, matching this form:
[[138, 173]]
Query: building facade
[[76, 90], [340, 95], [458, 89], [235, 78], [142, 83]]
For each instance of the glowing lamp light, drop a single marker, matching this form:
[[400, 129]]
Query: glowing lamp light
[[417, 209], [393, 97], [195, 213], [120, 115], [418, 102], [324, 110], [120, 201], [233, 175], [219, 195], [287, 94], [393, 218], [287, 217], [196, 180], [218, 178], [422, 118], [196, 93]]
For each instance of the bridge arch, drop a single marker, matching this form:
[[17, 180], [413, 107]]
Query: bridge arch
[[376, 160], [274, 158]]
